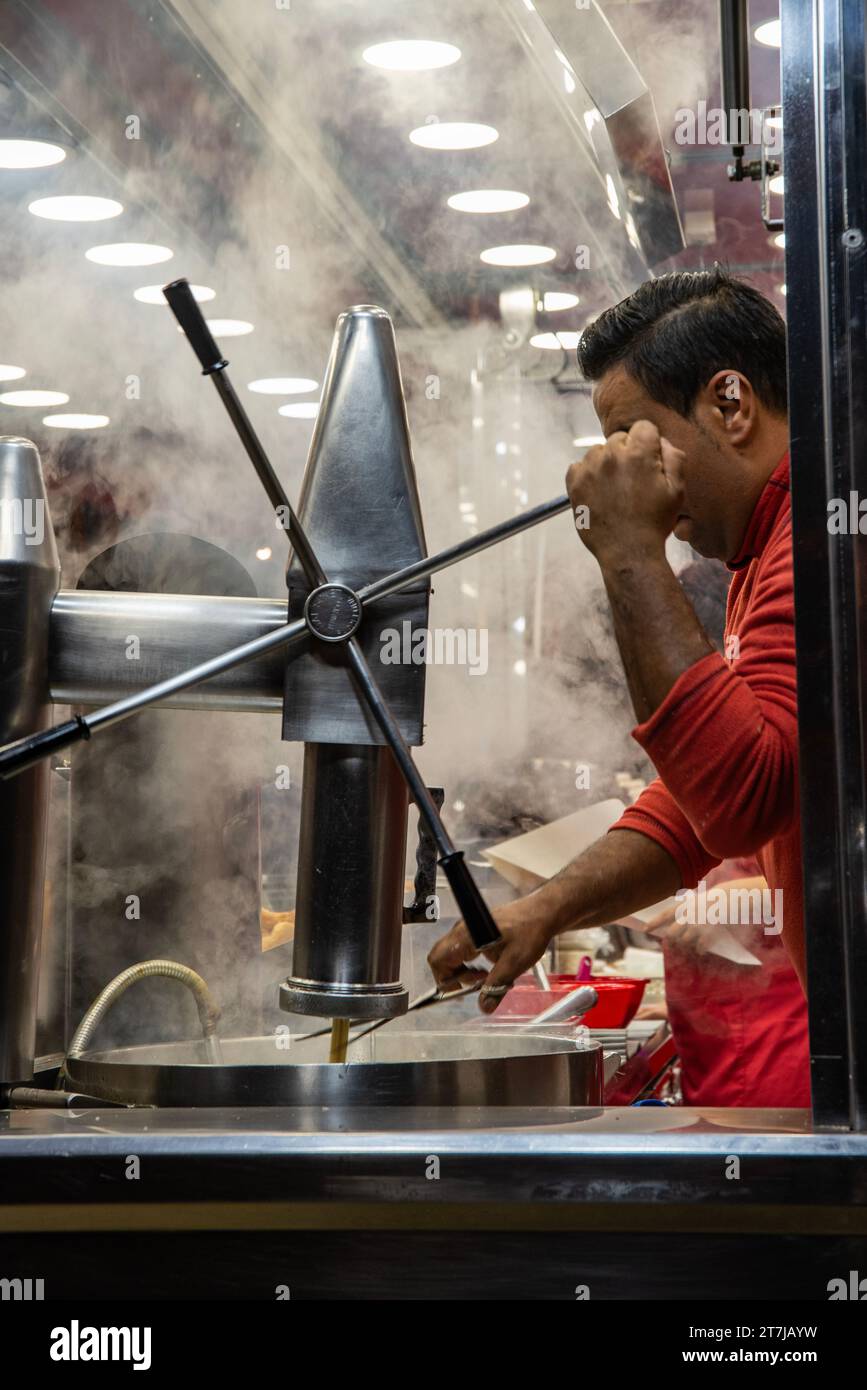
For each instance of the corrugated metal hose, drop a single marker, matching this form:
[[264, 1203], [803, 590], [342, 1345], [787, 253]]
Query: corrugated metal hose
[[208, 1010]]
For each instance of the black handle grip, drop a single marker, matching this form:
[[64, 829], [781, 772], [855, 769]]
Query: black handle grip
[[474, 910], [192, 321], [17, 757], [425, 883]]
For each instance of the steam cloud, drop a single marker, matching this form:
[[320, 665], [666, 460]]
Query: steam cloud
[[218, 186]]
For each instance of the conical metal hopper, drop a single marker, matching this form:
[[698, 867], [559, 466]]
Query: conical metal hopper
[[359, 507]]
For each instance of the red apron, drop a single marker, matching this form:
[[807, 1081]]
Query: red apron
[[740, 1030]]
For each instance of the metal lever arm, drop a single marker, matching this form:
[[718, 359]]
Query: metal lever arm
[[474, 910], [16, 757], [432, 564], [192, 321]]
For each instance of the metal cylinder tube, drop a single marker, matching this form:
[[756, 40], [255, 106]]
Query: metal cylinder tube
[[29, 576], [349, 901], [89, 661]]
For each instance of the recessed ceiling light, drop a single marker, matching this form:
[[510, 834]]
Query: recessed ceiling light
[[768, 34], [555, 300], [780, 240], [33, 398], [518, 255], [129, 253], [29, 154], [263, 553], [282, 385], [781, 288], [411, 55], [75, 207], [586, 441], [8, 373], [229, 328], [776, 184], [76, 422], [488, 200], [453, 135], [300, 410], [555, 342], [153, 294]]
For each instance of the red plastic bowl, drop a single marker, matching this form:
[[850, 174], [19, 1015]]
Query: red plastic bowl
[[619, 999]]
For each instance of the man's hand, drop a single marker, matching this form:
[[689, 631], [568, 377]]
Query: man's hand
[[630, 491], [526, 938], [694, 936], [686, 936]]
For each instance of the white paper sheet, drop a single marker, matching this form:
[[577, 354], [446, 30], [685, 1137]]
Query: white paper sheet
[[528, 860]]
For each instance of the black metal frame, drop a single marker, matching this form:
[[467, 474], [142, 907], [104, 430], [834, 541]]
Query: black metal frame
[[823, 68]]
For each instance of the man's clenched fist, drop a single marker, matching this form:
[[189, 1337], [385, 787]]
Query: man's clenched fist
[[627, 493]]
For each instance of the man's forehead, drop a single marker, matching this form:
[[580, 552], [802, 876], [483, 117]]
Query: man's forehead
[[617, 392]]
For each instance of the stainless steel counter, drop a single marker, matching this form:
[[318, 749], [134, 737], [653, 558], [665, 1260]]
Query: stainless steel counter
[[421, 1203]]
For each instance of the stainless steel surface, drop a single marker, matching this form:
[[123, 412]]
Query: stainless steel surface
[[345, 1202], [349, 897], [361, 438], [478, 1068], [29, 577], [664, 1135], [360, 510], [87, 661], [280, 638]]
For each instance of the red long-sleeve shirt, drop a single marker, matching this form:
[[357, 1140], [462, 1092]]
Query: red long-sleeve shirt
[[725, 739]]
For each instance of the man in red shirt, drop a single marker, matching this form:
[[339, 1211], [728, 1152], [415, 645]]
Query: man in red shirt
[[689, 380]]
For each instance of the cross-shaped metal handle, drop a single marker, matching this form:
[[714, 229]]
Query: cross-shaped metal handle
[[332, 613]]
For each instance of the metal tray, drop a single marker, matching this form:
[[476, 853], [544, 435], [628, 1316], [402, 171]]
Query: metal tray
[[478, 1068]]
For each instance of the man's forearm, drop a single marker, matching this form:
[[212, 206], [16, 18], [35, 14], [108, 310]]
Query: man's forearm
[[657, 631], [622, 873], [619, 874]]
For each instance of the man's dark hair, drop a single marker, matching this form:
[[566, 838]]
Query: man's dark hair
[[673, 334]]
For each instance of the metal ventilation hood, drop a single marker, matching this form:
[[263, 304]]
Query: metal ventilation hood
[[611, 114]]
